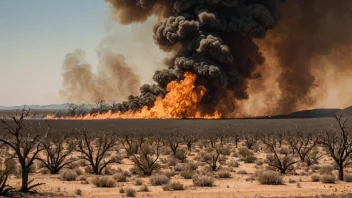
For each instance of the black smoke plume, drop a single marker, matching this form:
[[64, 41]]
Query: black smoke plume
[[210, 38]]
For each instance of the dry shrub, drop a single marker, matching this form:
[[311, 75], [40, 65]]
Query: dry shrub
[[176, 185], [103, 182], [242, 172], [158, 180], [181, 154], [169, 174], [138, 182], [249, 159], [315, 178], [328, 179], [348, 178], [224, 174], [244, 151], [179, 167], [68, 175], [233, 163], [203, 180], [270, 178], [130, 192], [191, 166], [327, 169], [172, 161], [78, 192], [187, 174], [144, 188], [121, 190], [291, 181], [119, 177]]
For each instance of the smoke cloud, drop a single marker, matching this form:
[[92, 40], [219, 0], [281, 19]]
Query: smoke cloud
[[254, 57], [210, 38], [113, 80], [309, 31]]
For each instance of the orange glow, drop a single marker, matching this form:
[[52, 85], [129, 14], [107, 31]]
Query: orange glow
[[181, 101]]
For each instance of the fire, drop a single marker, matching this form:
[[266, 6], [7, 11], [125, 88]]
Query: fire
[[181, 101]]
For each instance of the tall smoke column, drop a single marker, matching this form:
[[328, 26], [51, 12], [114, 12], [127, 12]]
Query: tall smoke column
[[210, 38], [309, 30]]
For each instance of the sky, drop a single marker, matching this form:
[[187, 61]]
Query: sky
[[36, 35]]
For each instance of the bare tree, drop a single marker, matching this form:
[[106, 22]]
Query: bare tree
[[174, 140], [338, 143], [190, 139], [213, 158], [148, 153], [282, 162], [95, 150], [57, 149], [24, 141], [303, 143]]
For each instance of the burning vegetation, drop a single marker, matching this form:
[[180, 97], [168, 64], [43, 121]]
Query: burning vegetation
[[217, 51]]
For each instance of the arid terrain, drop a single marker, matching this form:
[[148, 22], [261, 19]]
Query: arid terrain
[[180, 158]]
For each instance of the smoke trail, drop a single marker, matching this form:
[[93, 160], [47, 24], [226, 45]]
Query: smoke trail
[[308, 31], [114, 79], [210, 38]]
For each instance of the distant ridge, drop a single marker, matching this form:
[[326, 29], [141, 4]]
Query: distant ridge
[[37, 107]]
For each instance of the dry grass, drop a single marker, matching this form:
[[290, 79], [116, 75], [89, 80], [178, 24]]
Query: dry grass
[[270, 178], [103, 182], [68, 175]]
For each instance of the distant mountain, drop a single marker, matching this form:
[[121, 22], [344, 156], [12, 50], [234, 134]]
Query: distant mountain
[[347, 111], [37, 107], [314, 113]]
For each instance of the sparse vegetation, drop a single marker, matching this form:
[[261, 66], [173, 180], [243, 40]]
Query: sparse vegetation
[[328, 179], [159, 180], [68, 175], [270, 178], [103, 182], [203, 180], [130, 192]]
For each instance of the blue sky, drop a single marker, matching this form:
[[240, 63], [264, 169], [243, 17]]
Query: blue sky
[[35, 35]]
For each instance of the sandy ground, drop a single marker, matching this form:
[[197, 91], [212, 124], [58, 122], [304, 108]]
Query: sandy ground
[[236, 186]]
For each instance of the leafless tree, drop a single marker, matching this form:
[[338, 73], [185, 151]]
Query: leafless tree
[[57, 149], [338, 143], [213, 158], [190, 139], [174, 140], [303, 142], [282, 162], [24, 141], [148, 153], [95, 150]]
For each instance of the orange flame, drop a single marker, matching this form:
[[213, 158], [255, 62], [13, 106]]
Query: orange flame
[[181, 101]]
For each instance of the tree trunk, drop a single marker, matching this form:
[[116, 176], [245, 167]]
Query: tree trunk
[[189, 147], [24, 187], [341, 174]]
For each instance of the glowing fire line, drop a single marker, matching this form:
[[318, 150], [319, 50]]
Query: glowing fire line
[[181, 101]]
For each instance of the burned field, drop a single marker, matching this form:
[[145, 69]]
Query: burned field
[[159, 126], [179, 158]]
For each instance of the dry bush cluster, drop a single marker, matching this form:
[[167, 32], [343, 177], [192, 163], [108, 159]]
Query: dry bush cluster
[[202, 156]]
